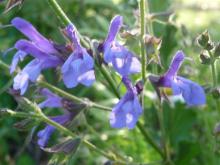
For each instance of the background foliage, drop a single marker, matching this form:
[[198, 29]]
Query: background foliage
[[190, 130]]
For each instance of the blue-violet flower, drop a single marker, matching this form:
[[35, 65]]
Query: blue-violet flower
[[43, 51], [127, 111], [78, 68], [192, 93], [123, 61], [45, 134]]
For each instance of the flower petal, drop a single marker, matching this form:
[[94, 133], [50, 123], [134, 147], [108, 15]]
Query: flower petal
[[52, 100], [113, 50], [29, 31], [114, 28], [126, 112], [44, 136], [87, 78], [127, 65], [175, 64], [21, 82], [135, 66], [70, 71], [88, 61], [33, 69], [19, 56], [30, 48], [192, 93], [71, 32]]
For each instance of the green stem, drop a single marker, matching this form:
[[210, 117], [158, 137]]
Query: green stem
[[213, 69], [149, 24], [59, 12], [4, 67], [149, 139], [65, 131], [6, 86], [61, 92], [143, 31], [9, 112], [109, 80], [164, 135], [73, 98], [64, 19], [142, 5]]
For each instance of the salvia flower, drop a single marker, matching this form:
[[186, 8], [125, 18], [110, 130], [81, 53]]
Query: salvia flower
[[78, 68], [43, 51], [123, 61], [45, 134], [52, 100], [128, 110], [192, 93]]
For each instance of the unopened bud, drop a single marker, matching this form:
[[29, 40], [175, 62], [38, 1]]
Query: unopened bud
[[24, 125], [209, 46], [205, 59], [139, 86], [216, 93], [148, 39], [203, 39], [71, 106], [217, 50]]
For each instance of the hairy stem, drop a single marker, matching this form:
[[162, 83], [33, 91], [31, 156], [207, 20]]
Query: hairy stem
[[73, 98], [149, 139], [149, 23], [63, 130], [142, 9], [165, 137], [64, 19], [59, 12], [214, 78], [61, 92]]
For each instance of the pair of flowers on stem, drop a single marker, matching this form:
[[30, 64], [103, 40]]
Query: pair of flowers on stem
[[77, 66]]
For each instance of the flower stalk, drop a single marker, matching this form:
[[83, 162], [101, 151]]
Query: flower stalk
[[63, 18], [73, 98], [142, 4], [38, 115], [149, 139], [59, 12], [214, 76], [61, 92]]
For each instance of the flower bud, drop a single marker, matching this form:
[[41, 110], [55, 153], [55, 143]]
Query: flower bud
[[205, 59], [139, 86], [203, 39], [209, 46], [216, 93], [217, 50]]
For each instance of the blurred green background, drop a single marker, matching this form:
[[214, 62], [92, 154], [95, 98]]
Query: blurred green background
[[189, 129]]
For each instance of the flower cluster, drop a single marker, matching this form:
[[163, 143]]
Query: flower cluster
[[77, 67]]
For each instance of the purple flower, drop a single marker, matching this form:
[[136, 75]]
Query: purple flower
[[78, 68], [44, 135], [192, 93], [52, 100], [43, 51], [123, 61], [127, 111]]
